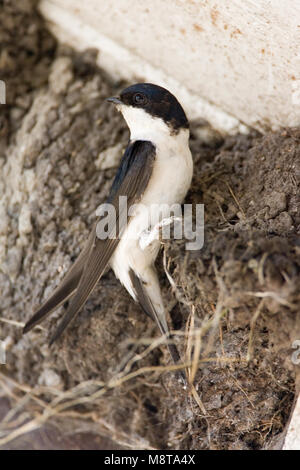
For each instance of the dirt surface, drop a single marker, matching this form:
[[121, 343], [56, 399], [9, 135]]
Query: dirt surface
[[237, 298]]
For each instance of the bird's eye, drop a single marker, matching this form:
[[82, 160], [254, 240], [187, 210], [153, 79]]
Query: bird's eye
[[139, 98]]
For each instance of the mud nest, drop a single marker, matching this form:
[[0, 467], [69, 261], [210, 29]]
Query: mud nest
[[234, 304]]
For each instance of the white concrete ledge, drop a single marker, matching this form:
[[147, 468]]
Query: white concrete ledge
[[122, 63], [230, 62]]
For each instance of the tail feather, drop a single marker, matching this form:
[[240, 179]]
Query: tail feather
[[145, 289]]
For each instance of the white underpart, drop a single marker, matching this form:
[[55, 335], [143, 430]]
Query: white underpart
[[169, 183]]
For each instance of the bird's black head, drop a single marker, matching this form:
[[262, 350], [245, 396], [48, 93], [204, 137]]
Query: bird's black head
[[158, 102]]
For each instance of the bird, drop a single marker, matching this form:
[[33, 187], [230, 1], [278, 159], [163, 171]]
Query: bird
[[155, 171]]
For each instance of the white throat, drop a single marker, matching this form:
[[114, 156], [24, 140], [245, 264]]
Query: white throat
[[143, 126]]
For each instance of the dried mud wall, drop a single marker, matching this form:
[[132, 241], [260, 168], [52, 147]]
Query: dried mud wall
[[60, 145]]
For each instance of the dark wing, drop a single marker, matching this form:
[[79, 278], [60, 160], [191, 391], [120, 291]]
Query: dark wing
[[64, 290], [131, 181]]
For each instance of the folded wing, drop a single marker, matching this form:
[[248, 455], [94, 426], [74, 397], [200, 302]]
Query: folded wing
[[131, 181]]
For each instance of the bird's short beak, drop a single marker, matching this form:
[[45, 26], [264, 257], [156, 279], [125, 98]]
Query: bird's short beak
[[114, 99]]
